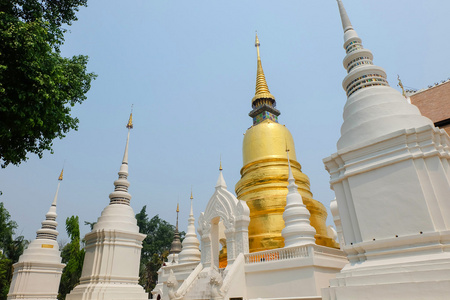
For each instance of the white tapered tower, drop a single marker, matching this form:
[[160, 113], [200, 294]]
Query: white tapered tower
[[373, 108], [38, 272], [113, 247], [392, 184], [190, 251], [297, 230]]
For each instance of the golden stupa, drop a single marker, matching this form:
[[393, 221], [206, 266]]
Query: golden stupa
[[264, 176]]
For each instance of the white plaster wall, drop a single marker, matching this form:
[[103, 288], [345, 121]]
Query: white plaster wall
[[235, 283], [297, 277], [35, 279], [388, 202], [394, 185], [112, 255], [281, 282]]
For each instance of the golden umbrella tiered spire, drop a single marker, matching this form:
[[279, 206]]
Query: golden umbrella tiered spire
[[263, 103], [262, 89]]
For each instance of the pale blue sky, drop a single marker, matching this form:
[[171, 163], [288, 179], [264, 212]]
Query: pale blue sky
[[189, 69]]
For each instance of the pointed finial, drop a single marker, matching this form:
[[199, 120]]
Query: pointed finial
[[60, 178], [178, 210], [400, 84], [285, 140], [346, 24], [220, 167], [130, 120], [290, 176], [129, 126], [192, 210], [257, 44]]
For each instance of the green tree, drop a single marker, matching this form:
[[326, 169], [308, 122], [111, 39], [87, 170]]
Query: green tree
[[38, 86], [155, 247], [73, 256], [10, 249]]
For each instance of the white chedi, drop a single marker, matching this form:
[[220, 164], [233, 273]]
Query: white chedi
[[113, 248], [38, 272], [391, 180], [298, 230], [190, 246]]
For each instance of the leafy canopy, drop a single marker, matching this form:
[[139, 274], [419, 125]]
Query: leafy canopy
[[38, 87], [73, 256], [155, 247]]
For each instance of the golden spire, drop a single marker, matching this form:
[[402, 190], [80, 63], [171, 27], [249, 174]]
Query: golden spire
[[400, 84], [191, 194], [60, 178], [130, 120], [261, 90], [220, 166]]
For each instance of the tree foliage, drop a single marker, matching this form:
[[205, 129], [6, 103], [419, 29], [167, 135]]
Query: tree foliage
[[73, 256], [10, 250], [38, 86], [155, 247]]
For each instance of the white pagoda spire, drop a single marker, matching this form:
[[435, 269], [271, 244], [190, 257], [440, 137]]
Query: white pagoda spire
[[358, 62], [48, 229], [120, 194], [38, 272], [190, 251], [373, 108], [298, 230], [113, 247]]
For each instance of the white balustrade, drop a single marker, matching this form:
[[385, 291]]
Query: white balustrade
[[277, 254]]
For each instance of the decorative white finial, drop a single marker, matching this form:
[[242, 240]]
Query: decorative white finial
[[346, 24], [221, 181], [120, 194], [358, 61], [48, 229], [190, 251], [298, 230]]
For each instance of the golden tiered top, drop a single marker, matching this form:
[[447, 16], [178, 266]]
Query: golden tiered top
[[262, 90]]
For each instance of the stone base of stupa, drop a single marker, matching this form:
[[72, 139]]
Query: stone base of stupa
[[38, 272], [111, 263], [393, 196], [425, 276], [298, 272], [107, 291]]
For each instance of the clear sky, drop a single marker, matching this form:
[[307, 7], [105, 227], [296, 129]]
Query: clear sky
[[189, 68]]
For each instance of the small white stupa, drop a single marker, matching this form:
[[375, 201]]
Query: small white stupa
[[113, 248], [38, 272], [298, 230], [190, 247], [392, 183]]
